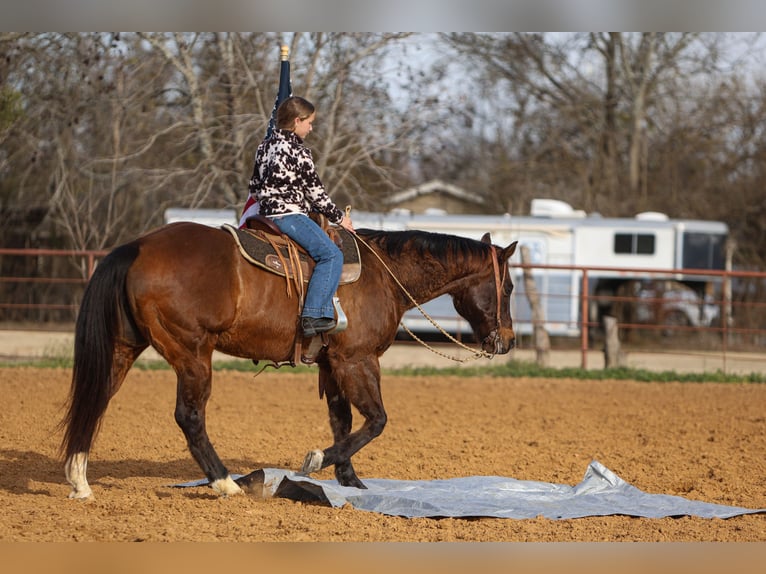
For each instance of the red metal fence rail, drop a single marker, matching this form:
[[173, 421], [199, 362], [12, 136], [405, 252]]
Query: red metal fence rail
[[741, 322], [43, 287]]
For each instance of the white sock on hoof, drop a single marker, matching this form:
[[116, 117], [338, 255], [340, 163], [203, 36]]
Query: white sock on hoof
[[75, 469], [226, 486], [312, 462]]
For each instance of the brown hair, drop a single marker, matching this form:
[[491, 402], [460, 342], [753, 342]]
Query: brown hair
[[292, 108]]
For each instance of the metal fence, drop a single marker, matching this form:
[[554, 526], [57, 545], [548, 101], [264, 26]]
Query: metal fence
[[41, 289], [657, 311], [43, 286]]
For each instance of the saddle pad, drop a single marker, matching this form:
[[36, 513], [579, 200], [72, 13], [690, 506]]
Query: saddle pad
[[257, 249]]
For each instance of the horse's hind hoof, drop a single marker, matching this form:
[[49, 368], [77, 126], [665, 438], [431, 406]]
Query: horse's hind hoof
[[81, 493], [312, 462]]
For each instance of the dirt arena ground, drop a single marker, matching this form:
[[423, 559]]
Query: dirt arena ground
[[700, 441]]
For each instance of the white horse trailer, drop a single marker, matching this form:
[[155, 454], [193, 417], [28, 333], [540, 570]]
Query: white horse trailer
[[557, 235], [210, 217]]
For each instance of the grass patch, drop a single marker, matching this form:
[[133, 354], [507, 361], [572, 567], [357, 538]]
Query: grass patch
[[510, 369], [529, 369]]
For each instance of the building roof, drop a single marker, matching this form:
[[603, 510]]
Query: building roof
[[434, 186]]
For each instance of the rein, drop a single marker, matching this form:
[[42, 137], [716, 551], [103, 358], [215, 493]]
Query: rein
[[481, 353], [498, 291]]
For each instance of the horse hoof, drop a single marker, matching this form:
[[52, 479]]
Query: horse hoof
[[81, 493], [312, 462], [226, 486], [353, 482]]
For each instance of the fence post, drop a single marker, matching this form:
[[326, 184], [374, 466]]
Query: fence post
[[542, 341], [584, 320], [612, 353]]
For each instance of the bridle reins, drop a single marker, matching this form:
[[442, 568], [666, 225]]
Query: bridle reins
[[498, 294], [475, 354]]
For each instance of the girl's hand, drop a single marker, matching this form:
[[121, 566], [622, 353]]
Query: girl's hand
[[346, 223]]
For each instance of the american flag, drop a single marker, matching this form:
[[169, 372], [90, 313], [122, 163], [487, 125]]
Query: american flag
[[285, 91]]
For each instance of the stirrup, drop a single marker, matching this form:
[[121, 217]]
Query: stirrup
[[340, 317], [317, 342]]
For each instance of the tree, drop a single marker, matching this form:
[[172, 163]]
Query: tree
[[359, 140], [100, 133], [546, 89]]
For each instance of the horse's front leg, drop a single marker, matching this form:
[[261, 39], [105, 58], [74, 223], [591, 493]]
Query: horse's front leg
[[194, 385], [357, 385]]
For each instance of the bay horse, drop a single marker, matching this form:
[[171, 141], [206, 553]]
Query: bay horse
[[185, 290]]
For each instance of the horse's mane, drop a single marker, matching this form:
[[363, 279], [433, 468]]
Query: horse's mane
[[437, 245]]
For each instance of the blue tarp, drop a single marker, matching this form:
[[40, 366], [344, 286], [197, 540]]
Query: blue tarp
[[601, 493]]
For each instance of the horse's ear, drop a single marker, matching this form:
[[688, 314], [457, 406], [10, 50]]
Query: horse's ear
[[509, 251], [486, 238]]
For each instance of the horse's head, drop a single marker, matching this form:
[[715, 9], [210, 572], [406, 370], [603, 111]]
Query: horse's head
[[486, 303]]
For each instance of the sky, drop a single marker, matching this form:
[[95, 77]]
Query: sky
[[391, 15]]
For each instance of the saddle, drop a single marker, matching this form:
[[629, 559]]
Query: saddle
[[263, 244]]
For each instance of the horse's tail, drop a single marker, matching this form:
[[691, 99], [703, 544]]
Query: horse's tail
[[96, 330]]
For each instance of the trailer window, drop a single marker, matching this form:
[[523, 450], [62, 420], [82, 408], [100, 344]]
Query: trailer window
[[703, 251], [634, 243]]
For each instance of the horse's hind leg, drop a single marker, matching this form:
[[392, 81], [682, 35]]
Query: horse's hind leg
[[76, 465], [357, 384]]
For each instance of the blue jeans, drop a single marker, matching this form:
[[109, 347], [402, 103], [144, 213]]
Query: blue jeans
[[329, 262]]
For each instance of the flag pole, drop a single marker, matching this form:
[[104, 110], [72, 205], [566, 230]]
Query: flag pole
[[285, 91], [285, 88]]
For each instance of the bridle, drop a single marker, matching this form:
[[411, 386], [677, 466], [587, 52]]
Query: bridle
[[493, 337]]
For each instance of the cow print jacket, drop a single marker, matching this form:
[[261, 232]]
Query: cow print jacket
[[285, 179]]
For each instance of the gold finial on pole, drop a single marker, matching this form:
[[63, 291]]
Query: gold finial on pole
[[285, 51]]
